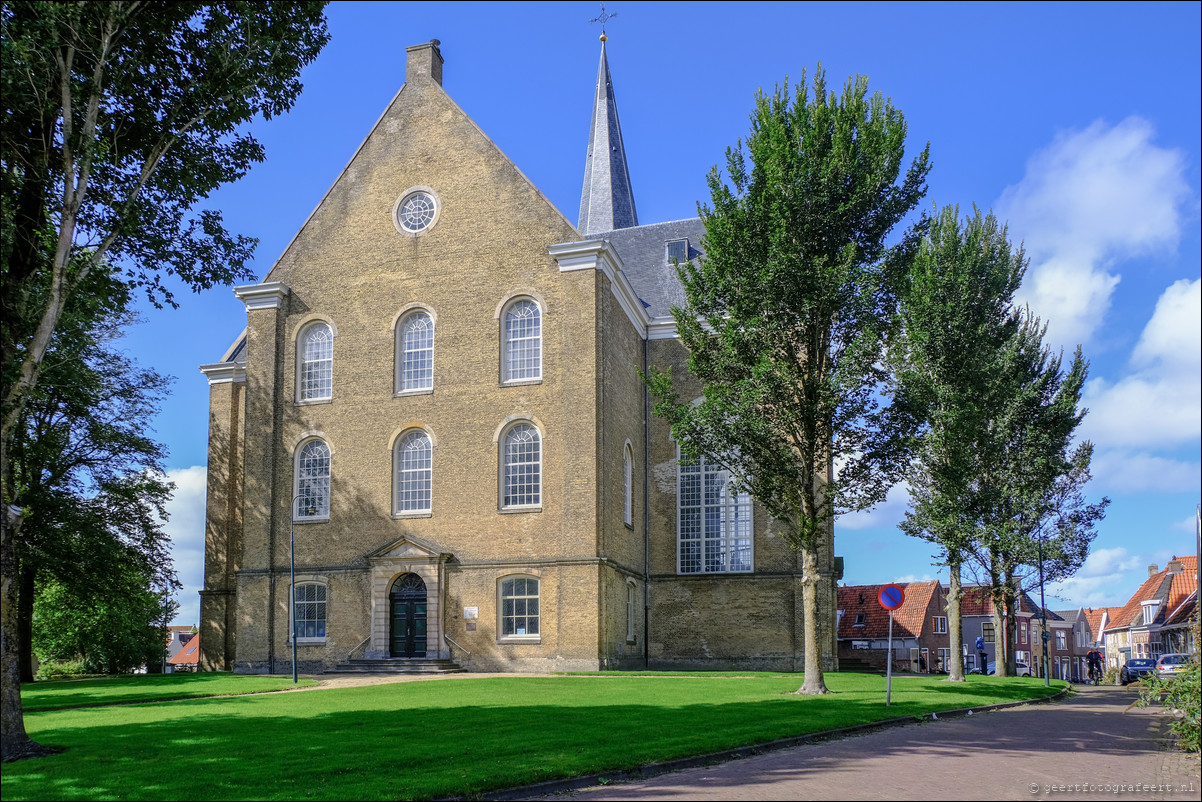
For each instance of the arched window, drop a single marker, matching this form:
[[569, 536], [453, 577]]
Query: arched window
[[521, 467], [628, 484], [315, 373], [519, 612], [411, 461], [309, 607], [522, 342], [312, 488], [415, 353], [713, 520]]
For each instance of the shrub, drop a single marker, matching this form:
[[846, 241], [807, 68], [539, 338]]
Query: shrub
[[58, 669], [1181, 695]]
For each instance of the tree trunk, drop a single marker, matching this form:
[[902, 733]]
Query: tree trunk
[[1011, 624], [954, 635], [813, 684], [14, 742], [999, 640], [25, 620]]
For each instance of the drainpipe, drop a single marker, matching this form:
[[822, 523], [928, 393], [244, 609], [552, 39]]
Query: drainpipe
[[646, 511]]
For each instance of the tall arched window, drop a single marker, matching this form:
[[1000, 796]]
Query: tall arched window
[[411, 482], [309, 607], [521, 467], [713, 520], [312, 487], [415, 353], [628, 484], [522, 342], [519, 608], [315, 373]]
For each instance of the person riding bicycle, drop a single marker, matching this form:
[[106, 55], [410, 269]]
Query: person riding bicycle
[[1094, 658]]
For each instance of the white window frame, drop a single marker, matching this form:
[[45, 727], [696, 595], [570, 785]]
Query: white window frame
[[1149, 608], [303, 360], [731, 504], [322, 513], [1061, 640], [324, 602], [502, 637], [507, 379], [413, 473], [402, 385], [939, 624], [628, 485], [503, 468], [992, 636]]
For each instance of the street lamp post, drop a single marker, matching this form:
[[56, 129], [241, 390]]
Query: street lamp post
[[292, 577]]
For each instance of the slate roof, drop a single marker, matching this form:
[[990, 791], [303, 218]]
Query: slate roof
[[607, 200], [908, 620], [644, 254]]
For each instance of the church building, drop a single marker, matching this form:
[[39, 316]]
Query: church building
[[437, 401]]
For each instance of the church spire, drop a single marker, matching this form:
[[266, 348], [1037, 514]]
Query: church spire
[[607, 201]]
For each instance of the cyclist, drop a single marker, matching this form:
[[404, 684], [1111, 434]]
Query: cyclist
[[1094, 658]]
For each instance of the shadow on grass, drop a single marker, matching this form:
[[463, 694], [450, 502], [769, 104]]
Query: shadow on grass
[[419, 740], [62, 694]]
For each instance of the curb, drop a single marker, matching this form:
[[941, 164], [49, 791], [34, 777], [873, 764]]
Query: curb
[[649, 770]]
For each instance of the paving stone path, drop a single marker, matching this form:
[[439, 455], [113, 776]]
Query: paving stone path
[[1087, 746]]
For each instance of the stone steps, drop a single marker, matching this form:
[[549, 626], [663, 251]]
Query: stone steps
[[398, 665]]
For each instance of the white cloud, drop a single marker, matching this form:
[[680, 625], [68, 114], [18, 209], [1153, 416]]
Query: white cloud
[[1189, 524], [1094, 584], [186, 529], [887, 514], [1088, 200], [1123, 471], [908, 578], [1159, 404]]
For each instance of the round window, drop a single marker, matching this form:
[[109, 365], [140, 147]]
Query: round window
[[417, 212]]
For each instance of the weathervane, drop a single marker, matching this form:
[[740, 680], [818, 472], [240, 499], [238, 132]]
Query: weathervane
[[603, 18]]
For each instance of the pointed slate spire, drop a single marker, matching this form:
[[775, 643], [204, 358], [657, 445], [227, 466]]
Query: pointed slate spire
[[607, 201]]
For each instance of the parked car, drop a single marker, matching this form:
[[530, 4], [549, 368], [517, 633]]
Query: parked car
[[1020, 669], [1136, 669], [1170, 664]]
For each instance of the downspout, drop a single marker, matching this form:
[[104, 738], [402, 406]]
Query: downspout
[[646, 510]]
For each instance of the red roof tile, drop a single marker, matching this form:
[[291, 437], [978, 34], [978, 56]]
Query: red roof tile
[[908, 620], [1183, 584], [189, 655]]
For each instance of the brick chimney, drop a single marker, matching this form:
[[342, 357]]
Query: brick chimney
[[424, 62], [1175, 566], [1153, 570]]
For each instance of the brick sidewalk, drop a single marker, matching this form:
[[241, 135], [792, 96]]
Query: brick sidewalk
[[1085, 739]]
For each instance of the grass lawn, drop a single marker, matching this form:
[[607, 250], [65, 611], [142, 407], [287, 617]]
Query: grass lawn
[[459, 736], [54, 694]]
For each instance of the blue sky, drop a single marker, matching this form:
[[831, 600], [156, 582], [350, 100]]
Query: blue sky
[[1077, 123]]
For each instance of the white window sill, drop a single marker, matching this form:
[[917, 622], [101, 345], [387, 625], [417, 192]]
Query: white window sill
[[309, 642], [530, 639], [315, 520], [311, 401], [513, 510], [397, 516], [521, 382], [407, 393]]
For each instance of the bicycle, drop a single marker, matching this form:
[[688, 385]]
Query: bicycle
[[1095, 674]]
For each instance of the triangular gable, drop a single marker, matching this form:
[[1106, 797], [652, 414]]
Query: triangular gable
[[408, 548]]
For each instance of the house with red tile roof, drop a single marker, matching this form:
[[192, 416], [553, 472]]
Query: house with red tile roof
[[188, 658], [976, 621], [920, 640], [1136, 630], [1177, 634]]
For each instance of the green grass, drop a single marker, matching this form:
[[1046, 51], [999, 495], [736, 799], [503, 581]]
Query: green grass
[[63, 693], [460, 736]]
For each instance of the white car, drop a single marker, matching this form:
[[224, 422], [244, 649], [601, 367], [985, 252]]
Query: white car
[[1020, 669], [1170, 664]]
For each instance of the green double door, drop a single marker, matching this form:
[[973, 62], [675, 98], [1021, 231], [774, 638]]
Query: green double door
[[407, 600]]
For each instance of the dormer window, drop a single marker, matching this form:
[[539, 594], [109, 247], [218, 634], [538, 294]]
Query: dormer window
[[1149, 612], [678, 250], [859, 620]]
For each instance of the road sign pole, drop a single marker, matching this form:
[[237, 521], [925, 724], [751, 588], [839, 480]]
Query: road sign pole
[[889, 664]]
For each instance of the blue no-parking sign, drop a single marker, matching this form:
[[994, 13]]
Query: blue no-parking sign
[[891, 597]]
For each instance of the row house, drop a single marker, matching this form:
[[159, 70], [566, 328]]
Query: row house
[[1156, 615], [976, 621], [920, 633]]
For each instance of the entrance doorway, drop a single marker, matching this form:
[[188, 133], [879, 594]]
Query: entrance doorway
[[407, 600]]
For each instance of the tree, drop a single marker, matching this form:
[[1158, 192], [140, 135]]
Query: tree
[[784, 319], [119, 118], [90, 477], [957, 314]]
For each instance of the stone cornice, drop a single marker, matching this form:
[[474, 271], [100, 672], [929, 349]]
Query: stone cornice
[[224, 372], [600, 255], [269, 295]]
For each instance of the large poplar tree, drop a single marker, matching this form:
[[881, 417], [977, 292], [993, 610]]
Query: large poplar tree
[[957, 316], [785, 316], [119, 118]]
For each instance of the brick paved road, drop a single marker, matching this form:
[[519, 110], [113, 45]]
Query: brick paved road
[[1087, 738]]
